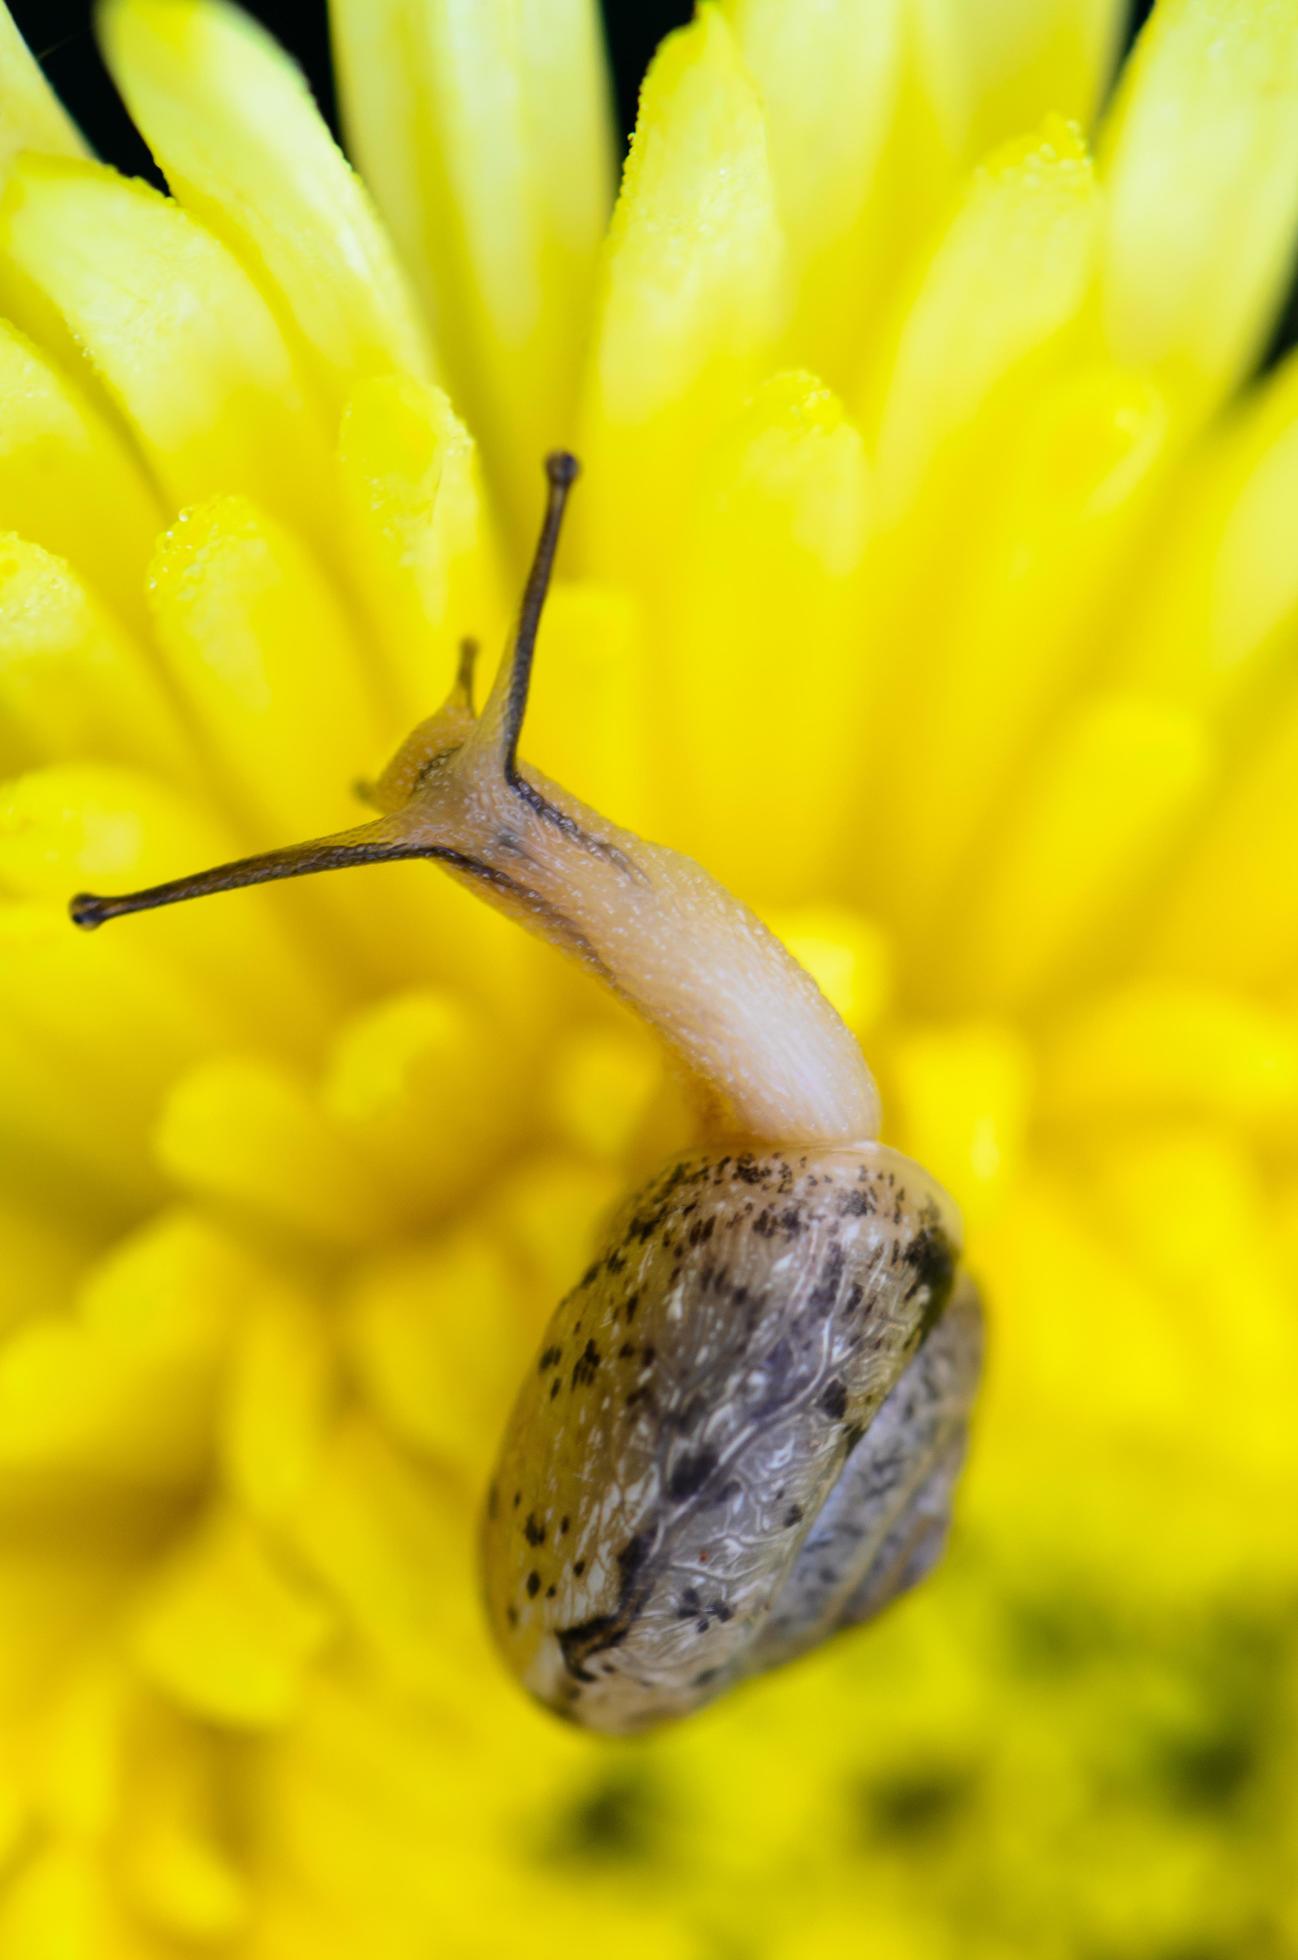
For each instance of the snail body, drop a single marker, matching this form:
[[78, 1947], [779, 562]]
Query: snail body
[[743, 1425]]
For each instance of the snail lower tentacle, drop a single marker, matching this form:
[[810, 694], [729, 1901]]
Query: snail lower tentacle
[[740, 1431]]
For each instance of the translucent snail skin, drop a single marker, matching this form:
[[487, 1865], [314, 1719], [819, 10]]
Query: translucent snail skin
[[744, 1423]]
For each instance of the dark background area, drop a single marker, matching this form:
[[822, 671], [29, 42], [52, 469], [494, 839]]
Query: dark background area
[[61, 35]]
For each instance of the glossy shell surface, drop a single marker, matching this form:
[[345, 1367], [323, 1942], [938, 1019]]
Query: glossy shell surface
[[740, 1432]]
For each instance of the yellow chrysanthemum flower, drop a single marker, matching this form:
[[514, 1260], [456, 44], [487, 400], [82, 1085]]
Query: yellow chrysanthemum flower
[[926, 585]]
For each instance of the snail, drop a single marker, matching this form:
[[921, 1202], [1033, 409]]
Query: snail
[[743, 1425]]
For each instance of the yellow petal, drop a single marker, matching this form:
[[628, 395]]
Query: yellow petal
[[186, 348], [31, 115], [426, 1085], [279, 1396], [602, 1087], [772, 566], [86, 1753], [50, 1153], [1192, 1210], [232, 124], [56, 1910], [961, 1101], [693, 292], [1231, 913], [991, 316], [1200, 162], [1094, 825], [440, 1378], [116, 1025], [222, 1628], [595, 699], [40, 1257], [265, 658], [420, 533], [1176, 1050], [395, 1550], [71, 682], [483, 128], [258, 646], [1007, 278], [1018, 60], [829, 77], [73, 828], [1087, 1343], [247, 1133], [120, 1399], [68, 482], [1018, 621], [185, 1884], [1216, 624]]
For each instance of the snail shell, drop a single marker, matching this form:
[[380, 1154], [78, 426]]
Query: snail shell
[[740, 1432]]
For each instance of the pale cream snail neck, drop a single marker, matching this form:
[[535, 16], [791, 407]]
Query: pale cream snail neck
[[748, 1023]]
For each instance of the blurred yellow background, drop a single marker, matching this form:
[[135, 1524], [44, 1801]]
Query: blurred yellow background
[[933, 582]]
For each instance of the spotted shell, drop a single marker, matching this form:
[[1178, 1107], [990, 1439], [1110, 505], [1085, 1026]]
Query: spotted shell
[[739, 1435]]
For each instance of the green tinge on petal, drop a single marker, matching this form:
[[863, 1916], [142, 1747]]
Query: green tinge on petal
[[1200, 165], [232, 124]]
